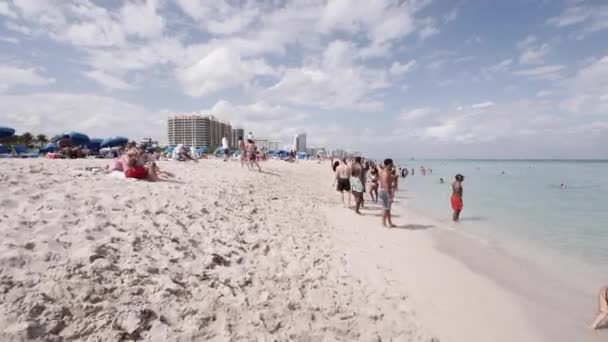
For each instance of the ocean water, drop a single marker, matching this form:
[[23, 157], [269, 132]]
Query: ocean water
[[524, 210]]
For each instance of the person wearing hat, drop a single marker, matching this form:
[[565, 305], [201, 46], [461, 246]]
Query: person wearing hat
[[456, 199]]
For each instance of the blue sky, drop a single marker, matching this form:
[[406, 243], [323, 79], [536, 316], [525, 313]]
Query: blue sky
[[422, 78]]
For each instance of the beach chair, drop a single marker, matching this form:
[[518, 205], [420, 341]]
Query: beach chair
[[21, 152], [5, 152]]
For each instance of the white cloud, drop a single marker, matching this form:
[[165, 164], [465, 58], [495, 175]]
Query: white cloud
[[451, 16], [400, 69], [588, 89], [97, 116], [498, 67], [429, 29], [17, 28], [546, 72], [11, 40], [534, 55], [6, 11], [142, 19], [108, 81], [220, 17], [416, 113], [220, 69], [531, 51], [12, 76], [591, 18], [332, 81], [543, 93], [482, 105]]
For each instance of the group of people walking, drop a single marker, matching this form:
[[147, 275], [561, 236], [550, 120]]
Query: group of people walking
[[351, 180]]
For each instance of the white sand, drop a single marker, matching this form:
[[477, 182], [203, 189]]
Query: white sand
[[225, 254], [221, 254]]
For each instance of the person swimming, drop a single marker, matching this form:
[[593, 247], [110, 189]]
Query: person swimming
[[441, 181]]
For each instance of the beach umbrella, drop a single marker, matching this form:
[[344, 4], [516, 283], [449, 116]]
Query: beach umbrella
[[114, 141], [94, 144], [76, 138], [6, 132]]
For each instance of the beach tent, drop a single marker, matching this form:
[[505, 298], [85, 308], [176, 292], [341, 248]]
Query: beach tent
[[114, 141], [169, 149], [301, 155], [6, 132], [201, 150]]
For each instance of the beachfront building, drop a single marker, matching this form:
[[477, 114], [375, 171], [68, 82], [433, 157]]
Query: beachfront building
[[299, 142], [197, 130], [236, 134]]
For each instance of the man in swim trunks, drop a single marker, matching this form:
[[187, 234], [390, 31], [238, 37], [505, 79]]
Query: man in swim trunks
[[456, 198], [356, 185], [386, 192], [343, 173]]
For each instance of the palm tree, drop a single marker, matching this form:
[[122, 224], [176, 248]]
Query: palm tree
[[42, 139], [27, 138]]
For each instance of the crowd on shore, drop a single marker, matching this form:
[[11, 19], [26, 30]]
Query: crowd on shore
[[351, 179]]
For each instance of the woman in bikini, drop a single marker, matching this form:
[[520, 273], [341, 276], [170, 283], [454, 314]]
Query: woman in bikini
[[373, 189]]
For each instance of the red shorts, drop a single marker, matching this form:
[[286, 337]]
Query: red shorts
[[456, 203], [136, 172]]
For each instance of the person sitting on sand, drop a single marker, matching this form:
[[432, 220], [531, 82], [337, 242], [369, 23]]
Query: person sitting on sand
[[134, 163], [602, 310], [386, 192]]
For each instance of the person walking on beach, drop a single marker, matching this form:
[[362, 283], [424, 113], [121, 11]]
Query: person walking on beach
[[252, 155], [243, 151], [602, 310], [343, 173], [355, 183], [226, 148], [456, 198], [386, 192]]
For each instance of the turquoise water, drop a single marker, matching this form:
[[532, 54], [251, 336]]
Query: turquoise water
[[524, 210]]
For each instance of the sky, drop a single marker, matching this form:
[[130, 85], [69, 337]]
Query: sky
[[400, 78]]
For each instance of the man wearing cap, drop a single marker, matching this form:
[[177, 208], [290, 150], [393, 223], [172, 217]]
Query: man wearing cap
[[457, 197]]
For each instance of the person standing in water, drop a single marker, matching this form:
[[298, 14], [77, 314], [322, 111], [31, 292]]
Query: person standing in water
[[457, 197]]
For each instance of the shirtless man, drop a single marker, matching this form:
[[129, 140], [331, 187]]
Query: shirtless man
[[386, 192], [456, 199], [602, 310], [343, 173], [356, 184]]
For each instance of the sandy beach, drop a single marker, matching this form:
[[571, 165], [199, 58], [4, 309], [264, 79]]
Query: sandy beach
[[221, 253]]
